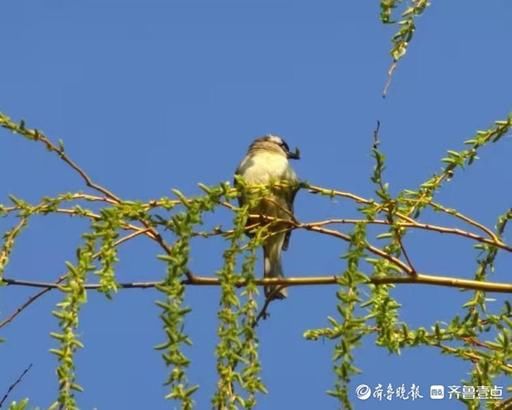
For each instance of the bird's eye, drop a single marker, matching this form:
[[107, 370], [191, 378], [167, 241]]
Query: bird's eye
[[285, 146]]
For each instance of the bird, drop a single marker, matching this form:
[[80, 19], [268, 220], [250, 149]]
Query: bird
[[266, 162]]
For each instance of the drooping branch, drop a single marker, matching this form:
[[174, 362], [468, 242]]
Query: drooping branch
[[315, 226], [46, 289], [36, 135], [391, 267]]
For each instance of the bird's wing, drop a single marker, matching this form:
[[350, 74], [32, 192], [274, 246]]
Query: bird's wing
[[241, 198], [291, 200], [237, 185]]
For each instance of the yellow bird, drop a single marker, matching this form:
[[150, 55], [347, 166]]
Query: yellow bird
[[267, 162]]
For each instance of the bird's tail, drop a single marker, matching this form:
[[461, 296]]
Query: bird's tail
[[272, 266]]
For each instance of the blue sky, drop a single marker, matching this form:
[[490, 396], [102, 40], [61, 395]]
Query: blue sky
[[153, 95]]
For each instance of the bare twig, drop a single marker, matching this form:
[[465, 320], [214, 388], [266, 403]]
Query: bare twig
[[333, 192], [466, 219], [406, 255], [13, 385], [377, 251], [417, 225], [360, 200], [59, 280], [38, 136], [26, 304]]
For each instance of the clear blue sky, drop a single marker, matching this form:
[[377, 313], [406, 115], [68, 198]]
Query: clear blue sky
[[153, 95]]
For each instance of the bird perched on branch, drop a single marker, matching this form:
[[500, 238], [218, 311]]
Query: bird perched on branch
[[266, 163]]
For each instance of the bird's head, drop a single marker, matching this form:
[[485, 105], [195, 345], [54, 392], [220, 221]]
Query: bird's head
[[274, 143]]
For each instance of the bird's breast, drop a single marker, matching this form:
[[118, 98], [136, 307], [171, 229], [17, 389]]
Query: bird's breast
[[264, 167]]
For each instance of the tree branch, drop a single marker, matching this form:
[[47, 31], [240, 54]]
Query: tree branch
[[13, 385], [46, 289], [59, 150], [466, 219], [377, 251], [36, 135], [420, 279]]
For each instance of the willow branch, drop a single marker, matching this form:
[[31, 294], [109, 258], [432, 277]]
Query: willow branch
[[36, 135], [60, 279], [377, 251], [77, 196], [27, 303], [410, 223], [474, 357], [218, 231], [406, 254], [466, 219], [9, 240], [59, 150], [360, 200], [13, 385], [419, 279], [333, 192], [418, 225]]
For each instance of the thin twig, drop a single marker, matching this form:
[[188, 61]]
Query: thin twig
[[333, 192], [417, 225], [59, 150], [59, 280], [466, 219], [406, 255], [38, 136], [351, 221], [410, 223], [13, 385], [26, 304], [78, 196], [360, 200], [377, 251]]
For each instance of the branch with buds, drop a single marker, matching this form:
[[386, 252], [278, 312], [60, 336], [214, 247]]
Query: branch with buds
[[173, 223]]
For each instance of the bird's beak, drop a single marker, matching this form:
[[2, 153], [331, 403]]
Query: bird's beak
[[293, 155]]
